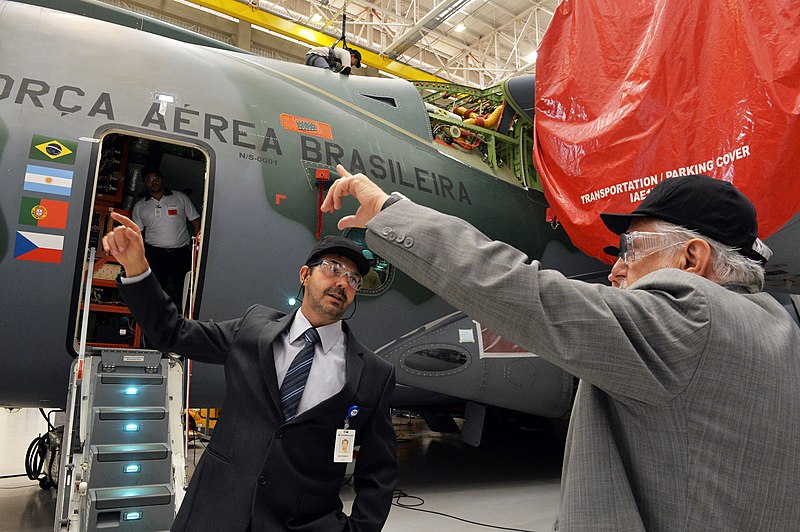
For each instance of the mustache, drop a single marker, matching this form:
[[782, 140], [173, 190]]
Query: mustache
[[338, 291]]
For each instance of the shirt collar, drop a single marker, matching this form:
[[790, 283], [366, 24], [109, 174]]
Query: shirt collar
[[167, 192], [328, 334]]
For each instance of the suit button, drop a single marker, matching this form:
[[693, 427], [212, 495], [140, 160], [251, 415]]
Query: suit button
[[279, 433], [390, 235], [262, 480], [400, 237], [386, 231], [408, 242]]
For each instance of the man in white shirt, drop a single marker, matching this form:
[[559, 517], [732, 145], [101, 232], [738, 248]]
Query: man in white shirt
[[341, 60], [276, 459], [162, 217]]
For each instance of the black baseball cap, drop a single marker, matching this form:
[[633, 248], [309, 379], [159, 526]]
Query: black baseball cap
[[711, 207], [339, 245]]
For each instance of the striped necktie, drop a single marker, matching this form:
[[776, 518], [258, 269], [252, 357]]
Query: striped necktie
[[296, 376]]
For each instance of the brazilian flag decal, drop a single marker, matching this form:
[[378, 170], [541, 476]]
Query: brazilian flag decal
[[53, 149]]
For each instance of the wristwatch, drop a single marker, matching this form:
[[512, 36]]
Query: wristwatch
[[393, 198]]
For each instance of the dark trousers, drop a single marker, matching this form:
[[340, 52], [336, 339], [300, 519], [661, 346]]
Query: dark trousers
[[170, 267], [317, 61]]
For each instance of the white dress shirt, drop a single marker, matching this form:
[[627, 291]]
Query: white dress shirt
[[327, 374]]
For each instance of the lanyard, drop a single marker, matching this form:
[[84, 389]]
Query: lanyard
[[351, 412]]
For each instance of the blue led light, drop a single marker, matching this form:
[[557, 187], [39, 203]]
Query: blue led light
[[292, 301], [132, 516], [132, 468], [131, 427], [131, 391]]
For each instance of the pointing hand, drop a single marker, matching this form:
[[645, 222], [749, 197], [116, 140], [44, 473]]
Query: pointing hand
[[368, 194], [126, 245]]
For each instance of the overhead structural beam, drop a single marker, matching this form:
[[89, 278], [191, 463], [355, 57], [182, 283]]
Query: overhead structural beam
[[312, 37], [429, 22]]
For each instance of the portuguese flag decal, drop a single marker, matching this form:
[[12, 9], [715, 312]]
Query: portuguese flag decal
[[43, 212]]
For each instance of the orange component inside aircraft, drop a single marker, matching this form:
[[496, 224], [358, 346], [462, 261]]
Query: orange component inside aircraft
[[488, 121], [466, 145], [464, 112]]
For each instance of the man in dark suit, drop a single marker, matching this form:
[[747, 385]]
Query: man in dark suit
[[275, 462]]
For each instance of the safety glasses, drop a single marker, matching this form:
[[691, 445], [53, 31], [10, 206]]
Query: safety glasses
[[639, 244], [331, 268]]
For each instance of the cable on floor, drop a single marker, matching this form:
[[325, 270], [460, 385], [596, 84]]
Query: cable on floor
[[400, 494]]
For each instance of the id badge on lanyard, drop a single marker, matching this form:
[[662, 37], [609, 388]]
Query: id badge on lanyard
[[345, 439]]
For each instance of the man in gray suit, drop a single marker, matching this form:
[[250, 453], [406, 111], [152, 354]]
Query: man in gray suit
[[688, 412]]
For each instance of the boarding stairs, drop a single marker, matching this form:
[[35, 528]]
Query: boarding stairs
[[123, 463]]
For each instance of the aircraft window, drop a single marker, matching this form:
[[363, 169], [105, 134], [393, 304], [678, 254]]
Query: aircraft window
[[388, 100], [381, 272], [436, 359]]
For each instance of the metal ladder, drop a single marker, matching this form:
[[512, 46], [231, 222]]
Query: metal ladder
[[125, 466]]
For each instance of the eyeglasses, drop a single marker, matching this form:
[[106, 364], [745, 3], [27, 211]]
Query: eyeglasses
[[331, 268], [640, 244]]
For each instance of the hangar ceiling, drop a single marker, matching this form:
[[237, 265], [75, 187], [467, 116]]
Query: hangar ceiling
[[477, 43]]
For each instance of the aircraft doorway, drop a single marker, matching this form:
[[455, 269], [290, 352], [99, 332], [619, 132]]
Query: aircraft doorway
[[174, 189]]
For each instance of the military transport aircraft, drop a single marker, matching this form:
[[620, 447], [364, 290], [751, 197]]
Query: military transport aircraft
[[85, 104]]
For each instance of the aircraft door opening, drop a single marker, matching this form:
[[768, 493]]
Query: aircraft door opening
[[162, 186]]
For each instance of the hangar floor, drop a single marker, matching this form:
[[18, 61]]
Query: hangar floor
[[510, 482]]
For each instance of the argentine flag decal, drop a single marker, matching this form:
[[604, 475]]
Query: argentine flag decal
[[38, 247], [48, 180]]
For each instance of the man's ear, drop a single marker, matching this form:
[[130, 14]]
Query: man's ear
[[696, 258], [304, 274]]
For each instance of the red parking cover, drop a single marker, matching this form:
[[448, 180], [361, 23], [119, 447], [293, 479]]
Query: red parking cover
[[631, 92]]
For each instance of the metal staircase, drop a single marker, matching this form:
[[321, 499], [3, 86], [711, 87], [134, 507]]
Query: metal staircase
[[123, 461]]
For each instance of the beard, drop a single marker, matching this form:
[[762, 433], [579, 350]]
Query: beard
[[326, 308]]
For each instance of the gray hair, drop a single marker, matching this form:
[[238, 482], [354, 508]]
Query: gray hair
[[730, 267]]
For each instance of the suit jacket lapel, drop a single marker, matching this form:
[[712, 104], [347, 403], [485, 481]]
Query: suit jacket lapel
[[271, 331], [354, 365]]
